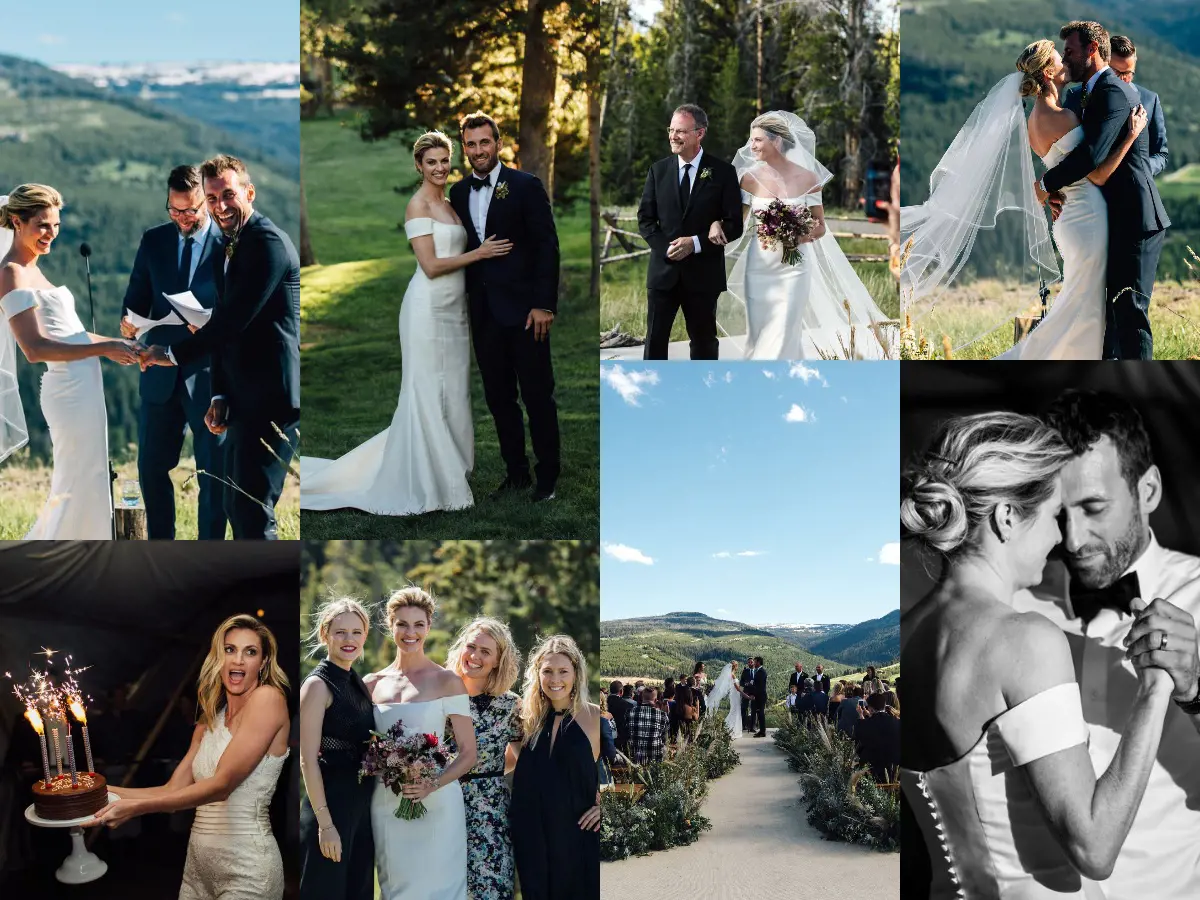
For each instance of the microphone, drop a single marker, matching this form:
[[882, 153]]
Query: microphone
[[85, 250]]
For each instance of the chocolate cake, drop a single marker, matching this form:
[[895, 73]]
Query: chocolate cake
[[61, 800]]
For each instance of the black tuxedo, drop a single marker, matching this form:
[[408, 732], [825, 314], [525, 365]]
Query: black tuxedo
[[501, 292], [1137, 219], [175, 398], [760, 700], [821, 682], [797, 679], [746, 680], [695, 282], [254, 339]]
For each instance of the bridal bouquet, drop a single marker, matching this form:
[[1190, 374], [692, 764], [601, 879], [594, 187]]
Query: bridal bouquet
[[399, 759], [781, 225]]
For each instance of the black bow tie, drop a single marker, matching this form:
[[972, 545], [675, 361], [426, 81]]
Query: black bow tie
[[478, 184], [1118, 596]]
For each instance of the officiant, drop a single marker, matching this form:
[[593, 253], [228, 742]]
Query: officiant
[[174, 257]]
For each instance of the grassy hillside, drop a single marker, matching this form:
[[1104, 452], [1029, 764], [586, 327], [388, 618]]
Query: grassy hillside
[[109, 156], [872, 643]]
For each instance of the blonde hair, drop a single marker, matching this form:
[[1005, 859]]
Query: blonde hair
[[410, 596], [973, 464], [210, 691], [508, 660], [776, 126], [26, 201], [324, 614], [428, 141], [1032, 63], [535, 706]]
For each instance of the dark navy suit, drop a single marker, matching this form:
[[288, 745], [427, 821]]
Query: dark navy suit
[[175, 398]]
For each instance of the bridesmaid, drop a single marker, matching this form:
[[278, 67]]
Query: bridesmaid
[[488, 662], [337, 851], [555, 810]]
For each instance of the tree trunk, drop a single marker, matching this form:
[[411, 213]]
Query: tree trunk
[[595, 93], [758, 59], [539, 78], [307, 257]]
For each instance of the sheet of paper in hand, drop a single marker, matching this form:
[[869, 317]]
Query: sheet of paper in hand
[[142, 324], [189, 307]]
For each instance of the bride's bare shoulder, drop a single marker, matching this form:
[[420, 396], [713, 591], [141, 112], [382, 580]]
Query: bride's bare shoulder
[[417, 208], [13, 276]]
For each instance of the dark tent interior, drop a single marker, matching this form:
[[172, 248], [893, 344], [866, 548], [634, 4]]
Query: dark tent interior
[[142, 616]]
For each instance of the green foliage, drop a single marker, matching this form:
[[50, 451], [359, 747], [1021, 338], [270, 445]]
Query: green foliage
[[537, 587], [843, 802], [715, 744], [872, 643], [626, 828]]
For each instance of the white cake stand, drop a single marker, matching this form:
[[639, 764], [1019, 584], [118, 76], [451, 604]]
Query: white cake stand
[[81, 866]]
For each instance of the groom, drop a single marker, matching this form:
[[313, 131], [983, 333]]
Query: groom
[[254, 339], [759, 690], [1137, 220], [513, 300], [684, 194]]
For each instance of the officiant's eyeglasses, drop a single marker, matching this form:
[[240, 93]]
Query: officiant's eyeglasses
[[180, 213], [680, 132]]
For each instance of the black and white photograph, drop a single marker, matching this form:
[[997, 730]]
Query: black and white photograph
[[1050, 582]]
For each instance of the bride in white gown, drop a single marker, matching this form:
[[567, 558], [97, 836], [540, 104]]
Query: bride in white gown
[[425, 858], [726, 685], [421, 462], [795, 312], [988, 170], [995, 763], [41, 318]]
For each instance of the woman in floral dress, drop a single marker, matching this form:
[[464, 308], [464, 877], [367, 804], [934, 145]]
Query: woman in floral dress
[[488, 662]]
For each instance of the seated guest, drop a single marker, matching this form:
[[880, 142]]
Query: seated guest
[[839, 690], [892, 702], [848, 711], [619, 706], [647, 729], [820, 700], [608, 749], [878, 740]]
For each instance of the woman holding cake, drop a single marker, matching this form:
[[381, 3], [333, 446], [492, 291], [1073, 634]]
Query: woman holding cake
[[229, 774]]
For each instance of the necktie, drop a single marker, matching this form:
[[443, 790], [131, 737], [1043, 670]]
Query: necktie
[[1116, 596], [478, 184], [1083, 101], [685, 187], [185, 264]]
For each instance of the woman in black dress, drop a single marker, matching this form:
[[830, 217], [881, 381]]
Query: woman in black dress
[[337, 851], [555, 814]]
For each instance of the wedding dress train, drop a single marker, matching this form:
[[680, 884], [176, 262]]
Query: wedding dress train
[[723, 687], [421, 462], [79, 506]]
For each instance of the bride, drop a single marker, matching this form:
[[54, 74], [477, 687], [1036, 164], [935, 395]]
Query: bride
[[726, 685], [425, 858], [42, 319], [421, 462], [795, 312], [993, 150], [997, 769]]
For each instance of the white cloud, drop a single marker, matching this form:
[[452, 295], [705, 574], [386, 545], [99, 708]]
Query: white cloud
[[710, 379], [844, 400], [721, 612], [724, 554], [729, 377], [51, 39], [625, 553], [797, 414], [768, 373], [890, 554], [805, 373], [752, 553], [630, 385]]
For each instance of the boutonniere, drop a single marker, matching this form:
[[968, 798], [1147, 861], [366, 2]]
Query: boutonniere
[[230, 246], [1083, 102], [502, 190], [705, 173]]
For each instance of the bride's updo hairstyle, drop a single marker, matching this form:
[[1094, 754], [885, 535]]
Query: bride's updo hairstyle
[[777, 128], [973, 464], [410, 596], [1032, 64], [428, 141], [26, 201]]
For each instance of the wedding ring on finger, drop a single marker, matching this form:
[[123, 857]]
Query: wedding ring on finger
[[1162, 644]]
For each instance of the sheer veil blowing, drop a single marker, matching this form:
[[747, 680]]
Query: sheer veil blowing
[[14, 434], [987, 170], [834, 282], [721, 688]]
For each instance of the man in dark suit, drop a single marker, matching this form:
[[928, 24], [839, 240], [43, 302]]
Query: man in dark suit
[[172, 258], [254, 339], [821, 680], [1137, 219], [684, 194], [619, 706], [760, 697], [513, 300], [877, 737], [746, 681], [797, 679], [1123, 62]]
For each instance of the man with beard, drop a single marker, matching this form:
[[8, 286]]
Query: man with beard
[[172, 258], [1123, 62], [1110, 556]]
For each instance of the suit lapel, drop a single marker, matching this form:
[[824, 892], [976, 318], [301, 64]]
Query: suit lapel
[[501, 178]]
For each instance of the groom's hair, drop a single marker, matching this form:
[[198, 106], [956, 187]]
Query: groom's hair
[[1122, 46], [183, 179], [478, 120], [758, 660], [699, 116], [1083, 417], [1088, 32], [219, 165]]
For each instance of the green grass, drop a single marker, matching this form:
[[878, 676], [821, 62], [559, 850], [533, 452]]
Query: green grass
[[24, 485], [350, 350]]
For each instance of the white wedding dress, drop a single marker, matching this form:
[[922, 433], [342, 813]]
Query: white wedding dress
[[777, 296], [232, 854], [425, 858], [722, 688], [79, 506], [421, 462], [1074, 327]]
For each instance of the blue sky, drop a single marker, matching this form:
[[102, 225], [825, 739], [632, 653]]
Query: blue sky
[[134, 31], [750, 491]]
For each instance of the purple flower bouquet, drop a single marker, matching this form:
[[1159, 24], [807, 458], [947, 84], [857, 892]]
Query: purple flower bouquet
[[399, 759], [781, 225]]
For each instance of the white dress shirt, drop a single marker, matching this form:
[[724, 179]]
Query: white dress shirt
[[480, 200], [691, 175], [1161, 856]]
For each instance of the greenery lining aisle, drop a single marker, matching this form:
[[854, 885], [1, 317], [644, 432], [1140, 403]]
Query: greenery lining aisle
[[350, 350]]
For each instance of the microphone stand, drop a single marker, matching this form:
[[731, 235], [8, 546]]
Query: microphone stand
[[85, 251]]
